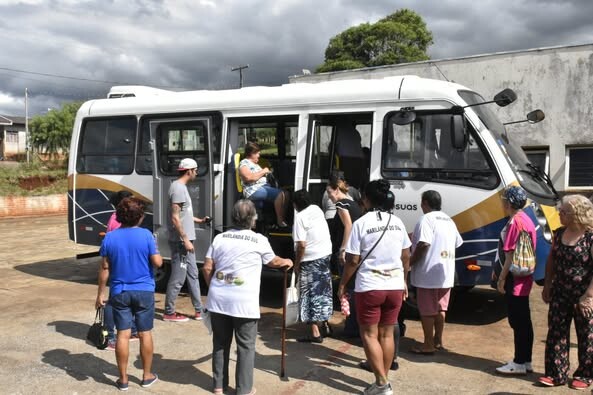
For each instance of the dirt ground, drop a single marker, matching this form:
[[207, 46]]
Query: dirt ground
[[46, 306]]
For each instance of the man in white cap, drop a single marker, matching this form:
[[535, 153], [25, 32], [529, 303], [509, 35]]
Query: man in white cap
[[182, 234]]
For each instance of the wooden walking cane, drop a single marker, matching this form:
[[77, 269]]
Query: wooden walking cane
[[283, 345]]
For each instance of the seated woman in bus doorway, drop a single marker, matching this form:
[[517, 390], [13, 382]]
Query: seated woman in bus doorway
[[255, 185]]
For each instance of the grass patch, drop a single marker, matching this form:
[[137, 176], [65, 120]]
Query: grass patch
[[33, 179]]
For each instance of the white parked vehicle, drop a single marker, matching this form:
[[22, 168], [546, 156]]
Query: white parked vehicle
[[420, 134]]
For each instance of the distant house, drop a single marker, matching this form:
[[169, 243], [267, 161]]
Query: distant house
[[13, 139]]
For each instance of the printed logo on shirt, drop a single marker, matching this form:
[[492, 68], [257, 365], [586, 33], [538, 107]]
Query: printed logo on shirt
[[229, 278], [253, 239], [447, 254], [381, 228], [387, 273]]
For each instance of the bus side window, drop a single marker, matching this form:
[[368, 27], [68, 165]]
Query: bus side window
[[107, 146]]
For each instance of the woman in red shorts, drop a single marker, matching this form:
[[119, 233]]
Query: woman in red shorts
[[378, 254]]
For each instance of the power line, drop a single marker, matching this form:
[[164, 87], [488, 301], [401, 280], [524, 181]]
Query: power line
[[80, 79]]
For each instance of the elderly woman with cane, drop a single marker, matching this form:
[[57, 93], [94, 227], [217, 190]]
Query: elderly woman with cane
[[377, 253], [232, 269]]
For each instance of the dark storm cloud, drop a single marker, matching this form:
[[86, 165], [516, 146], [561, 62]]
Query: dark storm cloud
[[193, 44]]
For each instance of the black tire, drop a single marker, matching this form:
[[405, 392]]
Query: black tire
[[161, 276]]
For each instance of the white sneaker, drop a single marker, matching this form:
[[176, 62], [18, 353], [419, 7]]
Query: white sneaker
[[512, 368], [374, 389], [528, 367]]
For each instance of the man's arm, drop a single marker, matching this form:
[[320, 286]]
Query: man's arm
[[103, 276], [419, 252], [176, 221]]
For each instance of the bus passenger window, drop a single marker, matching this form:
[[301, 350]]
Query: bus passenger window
[[180, 141], [107, 146], [320, 161]]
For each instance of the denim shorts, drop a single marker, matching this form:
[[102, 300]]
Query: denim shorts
[[133, 305], [265, 193]]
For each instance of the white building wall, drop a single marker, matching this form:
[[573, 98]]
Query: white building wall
[[557, 80]]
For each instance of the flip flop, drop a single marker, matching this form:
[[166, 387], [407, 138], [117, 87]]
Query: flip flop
[[440, 348], [417, 351]]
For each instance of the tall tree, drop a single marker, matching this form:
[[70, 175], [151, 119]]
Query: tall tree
[[51, 132], [398, 38]]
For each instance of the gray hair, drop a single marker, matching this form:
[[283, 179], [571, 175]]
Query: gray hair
[[244, 214]]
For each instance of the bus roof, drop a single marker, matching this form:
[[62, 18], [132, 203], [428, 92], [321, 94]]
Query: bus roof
[[149, 100]]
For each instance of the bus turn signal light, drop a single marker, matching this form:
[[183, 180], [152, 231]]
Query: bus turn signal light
[[472, 265]]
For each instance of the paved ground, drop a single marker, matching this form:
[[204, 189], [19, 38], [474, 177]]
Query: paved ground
[[46, 306]]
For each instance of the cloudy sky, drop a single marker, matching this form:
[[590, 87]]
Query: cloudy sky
[[192, 44]]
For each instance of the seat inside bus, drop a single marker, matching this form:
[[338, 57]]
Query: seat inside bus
[[350, 157]]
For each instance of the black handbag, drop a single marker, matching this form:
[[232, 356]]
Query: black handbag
[[97, 333], [271, 180]]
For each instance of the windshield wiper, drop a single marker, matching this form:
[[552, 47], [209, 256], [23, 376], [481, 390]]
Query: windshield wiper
[[538, 173]]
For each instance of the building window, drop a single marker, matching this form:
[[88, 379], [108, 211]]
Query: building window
[[539, 157], [579, 165], [12, 137]]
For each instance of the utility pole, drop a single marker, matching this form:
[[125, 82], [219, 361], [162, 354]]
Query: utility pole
[[27, 123], [240, 68]]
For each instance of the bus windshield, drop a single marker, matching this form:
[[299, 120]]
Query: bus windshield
[[530, 178]]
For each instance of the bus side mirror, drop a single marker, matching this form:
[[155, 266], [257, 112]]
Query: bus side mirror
[[505, 97], [458, 132], [536, 116]]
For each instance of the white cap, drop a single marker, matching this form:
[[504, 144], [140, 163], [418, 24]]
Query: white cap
[[187, 164]]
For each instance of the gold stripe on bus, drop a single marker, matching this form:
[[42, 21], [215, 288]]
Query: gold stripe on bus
[[552, 216], [484, 213], [85, 181]]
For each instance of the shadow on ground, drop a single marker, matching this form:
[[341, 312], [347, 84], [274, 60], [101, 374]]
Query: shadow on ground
[[82, 271], [83, 366], [72, 329]]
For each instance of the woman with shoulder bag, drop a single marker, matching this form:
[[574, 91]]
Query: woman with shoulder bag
[[377, 254], [516, 288]]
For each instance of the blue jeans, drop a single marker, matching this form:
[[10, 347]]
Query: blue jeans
[[109, 322], [266, 193], [133, 306]]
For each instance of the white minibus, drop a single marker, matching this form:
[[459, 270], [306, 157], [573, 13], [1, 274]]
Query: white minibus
[[419, 134]]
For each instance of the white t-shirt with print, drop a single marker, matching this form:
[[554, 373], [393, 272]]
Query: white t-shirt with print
[[437, 269], [383, 269], [311, 227], [238, 256]]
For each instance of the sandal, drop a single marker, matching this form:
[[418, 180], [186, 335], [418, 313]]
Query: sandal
[[548, 382], [577, 384]]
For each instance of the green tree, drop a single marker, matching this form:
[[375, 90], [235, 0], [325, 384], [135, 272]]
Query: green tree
[[398, 38], [51, 132]]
